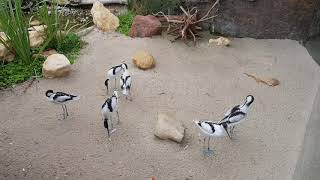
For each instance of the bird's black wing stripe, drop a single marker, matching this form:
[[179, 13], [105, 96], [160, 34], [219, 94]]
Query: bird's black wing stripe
[[212, 127], [109, 103], [234, 109], [237, 114], [127, 78], [60, 94]]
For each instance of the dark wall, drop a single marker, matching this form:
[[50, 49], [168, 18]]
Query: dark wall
[[293, 19]]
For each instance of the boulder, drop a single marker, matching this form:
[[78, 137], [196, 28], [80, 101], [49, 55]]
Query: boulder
[[103, 18], [143, 60], [145, 26], [39, 28], [36, 38], [221, 41], [272, 19], [5, 54], [56, 65], [167, 127]]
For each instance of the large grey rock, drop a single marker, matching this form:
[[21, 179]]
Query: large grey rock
[[168, 127], [293, 19], [56, 65]]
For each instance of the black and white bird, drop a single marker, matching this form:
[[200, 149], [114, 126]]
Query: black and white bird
[[109, 107], [125, 82], [61, 98], [237, 114], [113, 73], [211, 129]]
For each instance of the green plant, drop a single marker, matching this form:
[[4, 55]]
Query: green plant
[[71, 46], [126, 22], [51, 18], [153, 6], [17, 72], [15, 28]]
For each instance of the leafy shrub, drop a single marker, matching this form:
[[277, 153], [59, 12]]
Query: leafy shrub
[[126, 22]]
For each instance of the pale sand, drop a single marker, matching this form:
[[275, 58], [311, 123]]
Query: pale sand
[[198, 82]]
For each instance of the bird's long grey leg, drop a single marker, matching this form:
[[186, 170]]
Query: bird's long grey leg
[[108, 89], [65, 106], [64, 115], [231, 130], [115, 83], [204, 142], [111, 121], [229, 134], [118, 117], [106, 126], [209, 143]]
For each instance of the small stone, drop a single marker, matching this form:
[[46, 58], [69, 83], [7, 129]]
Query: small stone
[[221, 41], [169, 128], [56, 65], [143, 60], [103, 18], [35, 23], [40, 28]]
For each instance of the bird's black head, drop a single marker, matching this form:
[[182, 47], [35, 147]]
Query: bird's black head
[[49, 93], [106, 82], [249, 100], [124, 66]]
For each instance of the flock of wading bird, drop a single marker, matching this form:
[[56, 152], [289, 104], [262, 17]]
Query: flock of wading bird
[[225, 127]]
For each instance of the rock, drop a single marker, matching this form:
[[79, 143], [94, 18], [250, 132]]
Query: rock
[[272, 19], [3, 36], [56, 65], [143, 60], [35, 23], [86, 2], [145, 26], [169, 128], [36, 38], [103, 18], [5, 54], [3, 51], [45, 53], [221, 41], [40, 28]]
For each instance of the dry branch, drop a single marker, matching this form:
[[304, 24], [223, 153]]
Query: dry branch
[[186, 25]]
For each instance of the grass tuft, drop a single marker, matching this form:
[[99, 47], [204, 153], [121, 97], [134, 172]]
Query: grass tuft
[[71, 46], [126, 22]]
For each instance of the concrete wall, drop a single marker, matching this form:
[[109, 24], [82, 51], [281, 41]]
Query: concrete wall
[[308, 166]]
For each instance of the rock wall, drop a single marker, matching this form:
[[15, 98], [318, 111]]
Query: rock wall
[[293, 19]]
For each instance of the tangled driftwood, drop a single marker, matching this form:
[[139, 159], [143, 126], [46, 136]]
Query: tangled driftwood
[[186, 26]]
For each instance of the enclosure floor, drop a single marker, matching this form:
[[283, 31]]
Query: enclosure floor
[[194, 82]]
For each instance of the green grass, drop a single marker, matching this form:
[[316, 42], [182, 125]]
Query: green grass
[[126, 22], [16, 71], [71, 46]]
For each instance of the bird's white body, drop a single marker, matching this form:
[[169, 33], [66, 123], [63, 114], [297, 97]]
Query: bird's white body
[[114, 72], [125, 82], [108, 108], [212, 129], [110, 105], [238, 113], [61, 98]]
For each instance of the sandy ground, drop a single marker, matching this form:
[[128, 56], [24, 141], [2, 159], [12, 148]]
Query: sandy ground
[[198, 82]]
